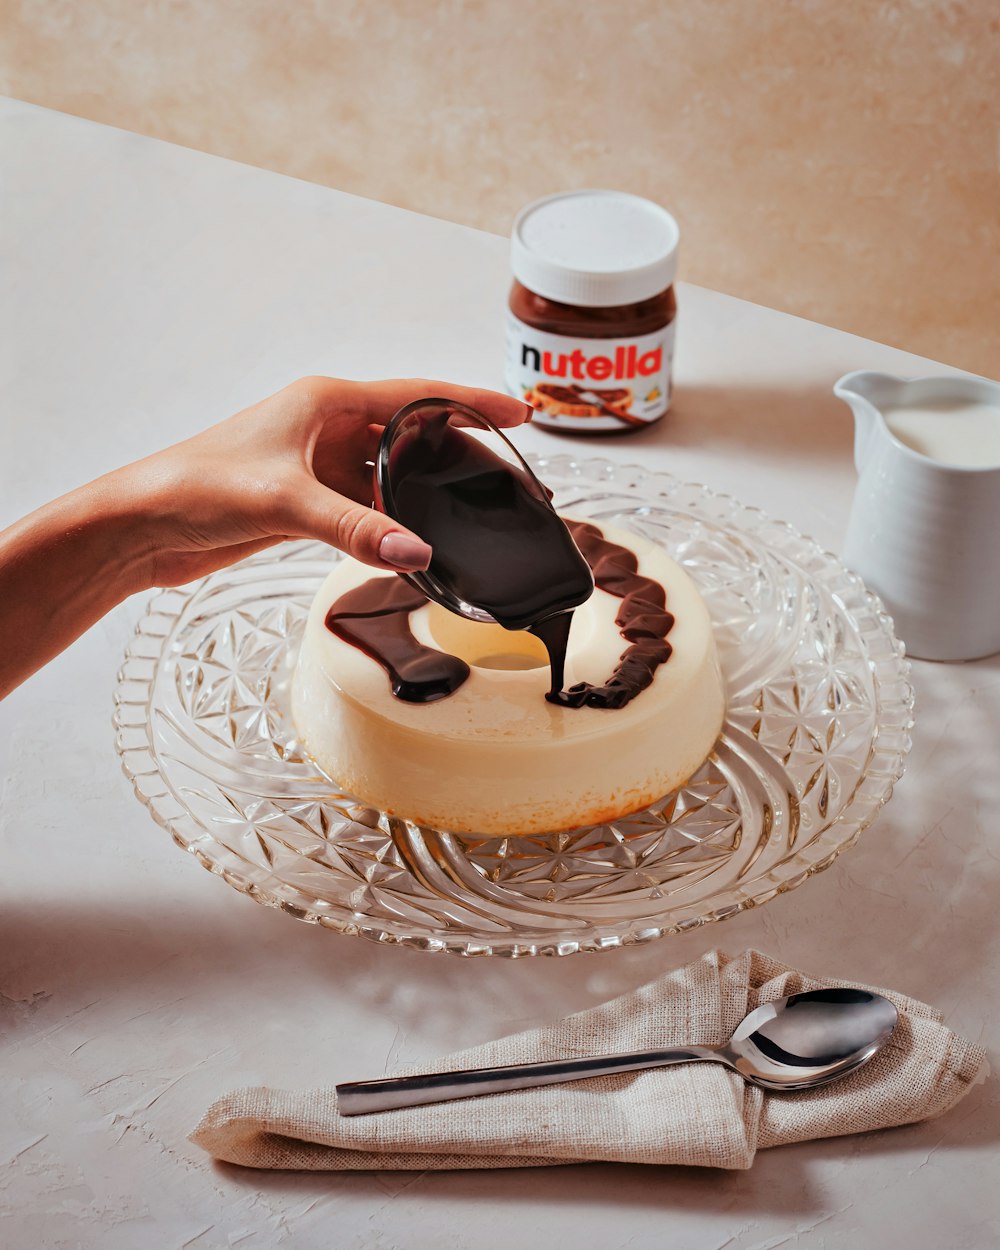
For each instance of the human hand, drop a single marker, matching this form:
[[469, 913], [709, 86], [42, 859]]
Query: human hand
[[295, 465]]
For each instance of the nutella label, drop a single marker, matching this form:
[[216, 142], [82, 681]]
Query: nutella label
[[590, 384]]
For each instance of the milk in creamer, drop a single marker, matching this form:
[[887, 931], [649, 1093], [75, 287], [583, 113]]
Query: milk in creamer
[[958, 432]]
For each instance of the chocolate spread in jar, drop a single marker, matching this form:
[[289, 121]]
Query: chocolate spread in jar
[[592, 309]]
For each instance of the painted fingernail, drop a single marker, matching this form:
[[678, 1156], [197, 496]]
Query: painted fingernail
[[404, 552]]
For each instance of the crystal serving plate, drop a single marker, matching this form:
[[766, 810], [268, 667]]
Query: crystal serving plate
[[817, 728]]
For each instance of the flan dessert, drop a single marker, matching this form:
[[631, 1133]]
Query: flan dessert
[[452, 723]]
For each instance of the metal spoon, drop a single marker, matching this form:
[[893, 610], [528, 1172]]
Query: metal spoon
[[788, 1044]]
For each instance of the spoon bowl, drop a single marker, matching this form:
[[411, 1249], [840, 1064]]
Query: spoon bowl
[[807, 1039], [792, 1043]]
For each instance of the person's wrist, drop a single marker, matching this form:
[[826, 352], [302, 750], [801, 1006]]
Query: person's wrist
[[120, 525]]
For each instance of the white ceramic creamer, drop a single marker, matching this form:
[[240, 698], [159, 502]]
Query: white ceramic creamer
[[924, 529]]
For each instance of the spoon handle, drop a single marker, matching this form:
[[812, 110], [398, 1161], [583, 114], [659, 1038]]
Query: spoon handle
[[391, 1093]]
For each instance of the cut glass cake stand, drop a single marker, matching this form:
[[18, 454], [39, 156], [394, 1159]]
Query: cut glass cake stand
[[817, 728]]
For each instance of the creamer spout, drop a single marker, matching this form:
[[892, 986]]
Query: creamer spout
[[866, 391]]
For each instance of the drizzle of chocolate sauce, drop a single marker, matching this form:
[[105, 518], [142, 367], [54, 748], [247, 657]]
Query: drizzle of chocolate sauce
[[642, 620], [499, 546], [375, 618]]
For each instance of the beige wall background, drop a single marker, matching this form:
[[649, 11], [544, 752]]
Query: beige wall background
[[839, 159]]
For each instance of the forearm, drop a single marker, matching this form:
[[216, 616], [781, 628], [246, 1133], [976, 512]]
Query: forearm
[[62, 568], [298, 464]]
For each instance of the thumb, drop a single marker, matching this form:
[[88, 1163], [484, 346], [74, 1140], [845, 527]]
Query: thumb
[[367, 535]]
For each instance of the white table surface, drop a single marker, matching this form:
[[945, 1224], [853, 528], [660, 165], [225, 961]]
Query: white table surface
[[147, 291]]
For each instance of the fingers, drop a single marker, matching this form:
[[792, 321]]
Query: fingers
[[315, 511], [399, 549], [384, 399]]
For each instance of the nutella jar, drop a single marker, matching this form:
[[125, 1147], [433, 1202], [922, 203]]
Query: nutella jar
[[590, 332]]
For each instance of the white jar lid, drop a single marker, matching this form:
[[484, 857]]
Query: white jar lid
[[594, 248]]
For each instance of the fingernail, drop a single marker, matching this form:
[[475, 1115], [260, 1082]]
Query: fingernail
[[404, 552], [531, 411]]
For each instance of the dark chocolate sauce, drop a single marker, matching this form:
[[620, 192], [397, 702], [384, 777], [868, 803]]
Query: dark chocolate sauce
[[498, 546], [375, 618], [643, 621]]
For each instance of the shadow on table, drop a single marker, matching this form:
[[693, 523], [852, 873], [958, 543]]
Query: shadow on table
[[909, 908], [597, 1185], [786, 1180], [797, 422]]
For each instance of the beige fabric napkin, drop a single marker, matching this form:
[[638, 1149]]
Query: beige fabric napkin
[[697, 1113]]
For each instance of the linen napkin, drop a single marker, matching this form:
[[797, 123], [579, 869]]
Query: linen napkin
[[699, 1113]]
